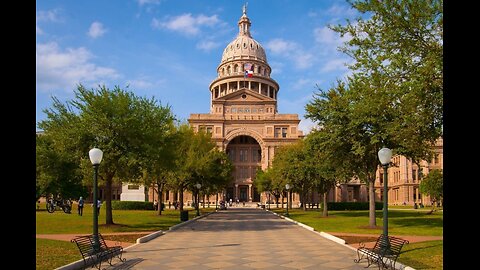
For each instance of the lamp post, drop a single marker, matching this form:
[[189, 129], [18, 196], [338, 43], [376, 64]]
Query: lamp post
[[95, 155], [287, 187], [385, 155], [198, 186]]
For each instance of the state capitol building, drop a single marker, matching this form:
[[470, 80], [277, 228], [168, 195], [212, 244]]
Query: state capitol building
[[245, 123]]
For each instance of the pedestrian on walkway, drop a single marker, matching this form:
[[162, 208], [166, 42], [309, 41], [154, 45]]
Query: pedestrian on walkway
[[155, 205], [80, 206]]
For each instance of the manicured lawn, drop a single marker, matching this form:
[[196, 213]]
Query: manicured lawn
[[423, 255], [51, 254], [400, 222], [125, 220]]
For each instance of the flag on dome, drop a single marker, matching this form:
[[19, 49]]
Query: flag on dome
[[248, 70]]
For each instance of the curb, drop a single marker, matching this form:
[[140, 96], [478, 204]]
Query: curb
[[398, 265], [149, 237]]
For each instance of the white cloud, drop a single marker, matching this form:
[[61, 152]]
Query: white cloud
[[96, 30], [306, 125], [186, 23], [326, 36], [334, 65], [63, 69], [305, 84], [303, 60], [291, 51], [207, 45], [280, 46], [144, 83], [144, 2], [48, 16], [341, 10]]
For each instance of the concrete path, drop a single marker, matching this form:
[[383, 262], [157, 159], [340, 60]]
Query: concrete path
[[239, 239]]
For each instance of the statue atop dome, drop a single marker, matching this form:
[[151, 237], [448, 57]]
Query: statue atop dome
[[244, 9]]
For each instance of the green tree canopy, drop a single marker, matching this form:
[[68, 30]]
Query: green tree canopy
[[115, 121]]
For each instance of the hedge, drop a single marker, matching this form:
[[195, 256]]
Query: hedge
[[353, 206], [133, 205]]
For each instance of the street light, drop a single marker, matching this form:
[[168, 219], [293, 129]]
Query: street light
[[95, 155], [287, 186], [385, 155], [198, 186]]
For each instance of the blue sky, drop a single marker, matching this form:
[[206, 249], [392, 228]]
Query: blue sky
[[170, 49]]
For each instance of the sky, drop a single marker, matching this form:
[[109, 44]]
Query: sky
[[170, 49]]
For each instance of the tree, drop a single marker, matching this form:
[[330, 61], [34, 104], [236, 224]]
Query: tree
[[432, 185], [398, 53], [294, 165], [115, 121], [57, 171], [328, 158], [394, 98]]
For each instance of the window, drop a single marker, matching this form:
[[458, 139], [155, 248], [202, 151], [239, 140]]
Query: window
[[277, 132], [256, 155], [167, 195], [280, 132], [231, 154], [243, 155], [414, 175]]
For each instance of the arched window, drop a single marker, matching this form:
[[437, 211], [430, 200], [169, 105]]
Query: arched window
[[236, 68], [228, 70]]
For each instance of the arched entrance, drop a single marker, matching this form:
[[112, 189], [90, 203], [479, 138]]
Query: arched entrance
[[246, 155]]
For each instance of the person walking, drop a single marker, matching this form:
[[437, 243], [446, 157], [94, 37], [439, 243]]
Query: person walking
[[80, 206]]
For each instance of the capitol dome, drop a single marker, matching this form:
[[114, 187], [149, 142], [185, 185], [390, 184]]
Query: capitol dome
[[244, 46]]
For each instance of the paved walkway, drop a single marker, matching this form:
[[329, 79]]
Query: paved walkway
[[240, 239]]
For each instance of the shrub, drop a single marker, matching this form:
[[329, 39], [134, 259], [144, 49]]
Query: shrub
[[132, 205], [352, 206]]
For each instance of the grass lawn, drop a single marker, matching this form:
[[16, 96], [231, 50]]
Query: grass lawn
[[125, 220], [423, 255], [400, 222], [51, 254]]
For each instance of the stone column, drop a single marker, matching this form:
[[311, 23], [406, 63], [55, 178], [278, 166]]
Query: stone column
[[236, 192], [238, 85], [250, 191], [260, 88]]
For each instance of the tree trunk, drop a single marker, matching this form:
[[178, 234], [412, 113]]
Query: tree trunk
[[325, 208], [371, 213], [159, 197], [181, 198], [216, 201], [108, 201]]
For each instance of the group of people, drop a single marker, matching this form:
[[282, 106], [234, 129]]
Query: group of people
[[81, 203]]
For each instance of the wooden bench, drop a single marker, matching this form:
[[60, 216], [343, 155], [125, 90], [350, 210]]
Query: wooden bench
[[384, 253], [95, 257]]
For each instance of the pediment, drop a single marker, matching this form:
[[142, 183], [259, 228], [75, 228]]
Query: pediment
[[244, 95]]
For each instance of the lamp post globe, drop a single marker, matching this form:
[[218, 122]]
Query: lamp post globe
[[385, 156], [198, 186], [96, 156]]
